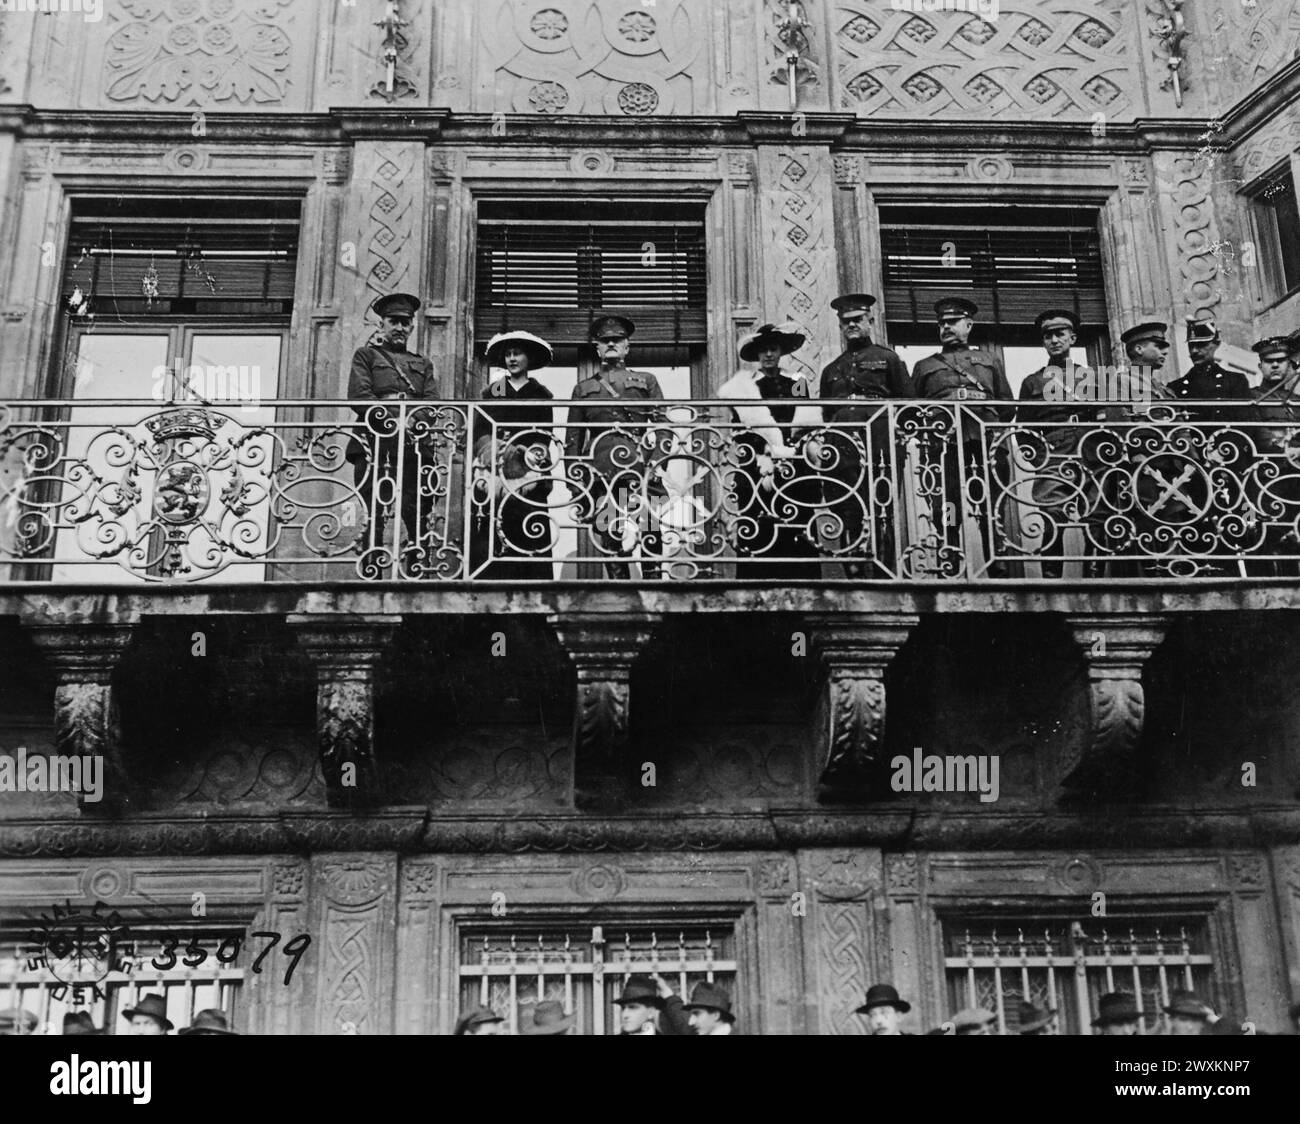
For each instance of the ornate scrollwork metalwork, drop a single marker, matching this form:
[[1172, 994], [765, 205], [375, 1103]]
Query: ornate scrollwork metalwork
[[915, 491]]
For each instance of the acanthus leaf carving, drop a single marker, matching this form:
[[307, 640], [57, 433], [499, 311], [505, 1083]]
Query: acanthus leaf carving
[[191, 54]]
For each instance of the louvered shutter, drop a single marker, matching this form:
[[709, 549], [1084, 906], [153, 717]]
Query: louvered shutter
[[551, 278], [223, 254], [1012, 270]]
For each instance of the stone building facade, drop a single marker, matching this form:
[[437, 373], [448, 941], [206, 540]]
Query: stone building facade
[[478, 715]]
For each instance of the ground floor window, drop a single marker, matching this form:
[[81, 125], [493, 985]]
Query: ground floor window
[[1066, 966], [84, 965], [585, 967]]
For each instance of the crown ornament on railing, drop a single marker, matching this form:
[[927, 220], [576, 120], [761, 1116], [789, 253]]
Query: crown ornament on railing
[[175, 424]]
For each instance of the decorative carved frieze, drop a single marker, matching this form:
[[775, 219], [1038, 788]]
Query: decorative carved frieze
[[1041, 59], [775, 877], [1188, 178], [1243, 42], [855, 649], [1247, 872], [390, 217], [844, 883], [185, 52], [1115, 649], [419, 880], [353, 945], [800, 247], [345, 652], [603, 649], [86, 721], [586, 56], [288, 878]]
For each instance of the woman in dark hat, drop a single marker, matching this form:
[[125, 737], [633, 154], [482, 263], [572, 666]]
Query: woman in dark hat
[[513, 460], [775, 491]]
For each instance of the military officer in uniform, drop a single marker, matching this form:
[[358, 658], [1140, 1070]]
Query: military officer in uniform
[[858, 446], [961, 372], [1063, 488], [384, 371], [1207, 379], [1276, 402], [772, 488], [612, 462], [515, 459]]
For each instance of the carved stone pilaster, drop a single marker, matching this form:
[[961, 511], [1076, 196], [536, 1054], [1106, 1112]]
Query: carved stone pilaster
[[345, 652], [85, 709], [1115, 649], [850, 715], [603, 649]]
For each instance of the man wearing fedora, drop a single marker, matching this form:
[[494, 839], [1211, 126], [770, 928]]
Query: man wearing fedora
[[1186, 1014], [513, 459], [612, 460], [546, 1017], [963, 373], [209, 1021], [1117, 1014], [383, 370], [1033, 1019], [884, 1009], [149, 1015], [79, 1022], [710, 1010], [480, 1021], [772, 491], [974, 1020], [857, 451], [648, 1005]]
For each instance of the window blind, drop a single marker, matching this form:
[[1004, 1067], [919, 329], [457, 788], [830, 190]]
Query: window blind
[[550, 278], [1012, 269], [213, 253]]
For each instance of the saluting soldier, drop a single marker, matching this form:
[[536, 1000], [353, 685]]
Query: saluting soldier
[[515, 454], [961, 372], [383, 370], [774, 492], [865, 373], [1206, 379], [611, 462], [1063, 488]]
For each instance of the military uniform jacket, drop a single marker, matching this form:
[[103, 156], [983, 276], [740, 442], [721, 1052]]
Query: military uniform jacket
[[381, 372], [1278, 401], [1049, 396], [871, 372], [605, 398], [965, 374], [384, 372], [1209, 380]]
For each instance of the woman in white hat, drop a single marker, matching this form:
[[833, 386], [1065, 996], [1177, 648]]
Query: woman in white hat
[[513, 459], [776, 508]]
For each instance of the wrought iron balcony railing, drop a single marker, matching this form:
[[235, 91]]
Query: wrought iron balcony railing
[[96, 491]]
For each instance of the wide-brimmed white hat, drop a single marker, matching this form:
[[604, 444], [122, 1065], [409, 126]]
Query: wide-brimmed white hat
[[537, 349]]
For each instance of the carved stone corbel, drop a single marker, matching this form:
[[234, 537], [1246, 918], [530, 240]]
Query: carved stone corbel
[[345, 651], [603, 649], [855, 649], [1115, 649], [85, 708]]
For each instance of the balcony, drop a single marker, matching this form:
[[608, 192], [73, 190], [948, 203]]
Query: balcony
[[675, 588], [485, 495]]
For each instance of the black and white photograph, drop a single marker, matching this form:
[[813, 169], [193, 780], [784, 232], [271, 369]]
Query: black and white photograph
[[913, 650]]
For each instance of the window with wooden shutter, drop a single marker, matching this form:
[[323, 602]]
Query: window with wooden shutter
[[539, 268], [1013, 262], [1275, 214], [151, 256]]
